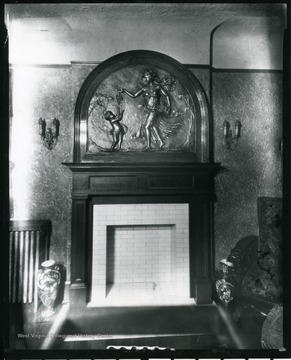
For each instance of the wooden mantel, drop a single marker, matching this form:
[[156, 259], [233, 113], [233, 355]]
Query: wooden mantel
[[110, 183], [177, 172]]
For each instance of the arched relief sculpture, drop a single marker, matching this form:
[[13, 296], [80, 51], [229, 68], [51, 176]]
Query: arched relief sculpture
[[141, 108]]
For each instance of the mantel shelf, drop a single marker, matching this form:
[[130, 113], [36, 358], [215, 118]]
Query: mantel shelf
[[140, 167]]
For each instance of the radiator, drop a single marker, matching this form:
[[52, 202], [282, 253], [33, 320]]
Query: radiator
[[28, 248]]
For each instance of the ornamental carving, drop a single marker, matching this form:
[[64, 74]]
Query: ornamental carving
[[141, 108]]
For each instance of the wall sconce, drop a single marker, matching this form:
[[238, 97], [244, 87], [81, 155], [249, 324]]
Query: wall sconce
[[231, 140], [49, 135]]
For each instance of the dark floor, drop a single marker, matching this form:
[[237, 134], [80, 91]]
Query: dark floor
[[250, 322], [27, 330], [178, 327]]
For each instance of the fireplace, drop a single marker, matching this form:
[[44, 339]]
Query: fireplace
[[143, 184], [106, 201], [140, 254]]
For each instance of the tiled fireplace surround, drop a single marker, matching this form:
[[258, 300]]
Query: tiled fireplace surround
[[139, 200], [140, 254]]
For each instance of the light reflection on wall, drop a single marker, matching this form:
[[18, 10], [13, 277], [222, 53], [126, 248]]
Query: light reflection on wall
[[36, 41], [253, 43], [83, 132], [22, 140]]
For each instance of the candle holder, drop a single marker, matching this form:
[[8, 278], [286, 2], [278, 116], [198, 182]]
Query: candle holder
[[230, 139], [49, 135]]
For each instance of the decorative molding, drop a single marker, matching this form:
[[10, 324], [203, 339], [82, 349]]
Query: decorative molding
[[276, 71], [53, 66]]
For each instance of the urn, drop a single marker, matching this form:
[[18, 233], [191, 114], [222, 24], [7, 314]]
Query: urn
[[48, 282]]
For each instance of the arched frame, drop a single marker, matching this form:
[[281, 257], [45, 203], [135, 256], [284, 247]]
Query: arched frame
[[149, 59]]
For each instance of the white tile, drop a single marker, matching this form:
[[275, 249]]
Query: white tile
[[144, 250]]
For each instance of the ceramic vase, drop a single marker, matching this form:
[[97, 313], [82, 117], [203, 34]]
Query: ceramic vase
[[48, 282], [224, 287]]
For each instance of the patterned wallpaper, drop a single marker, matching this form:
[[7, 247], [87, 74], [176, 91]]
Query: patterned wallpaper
[[40, 184], [255, 168], [252, 170]]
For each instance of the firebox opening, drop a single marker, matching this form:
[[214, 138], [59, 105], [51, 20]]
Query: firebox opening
[[140, 254], [140, 262]]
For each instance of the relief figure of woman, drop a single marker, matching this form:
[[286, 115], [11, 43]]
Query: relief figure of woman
[[152, 92]]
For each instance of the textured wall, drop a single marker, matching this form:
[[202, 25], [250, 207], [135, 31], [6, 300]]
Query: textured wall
[[254, 169], [203, 77], [42, 186]]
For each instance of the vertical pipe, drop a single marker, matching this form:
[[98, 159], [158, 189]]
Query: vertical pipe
[[10, 264], [31, 266], [25, 266], [211, 117], [35, 272], [212, 141], [15, 267], [21, 255]]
